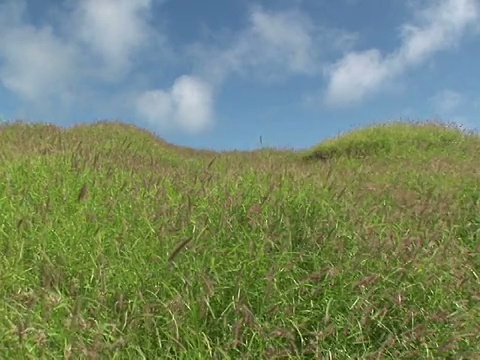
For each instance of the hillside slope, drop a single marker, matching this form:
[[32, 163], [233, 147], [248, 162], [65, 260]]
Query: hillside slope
[[114, 243]]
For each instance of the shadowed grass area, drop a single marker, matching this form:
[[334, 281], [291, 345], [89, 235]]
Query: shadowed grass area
[[114, 243]]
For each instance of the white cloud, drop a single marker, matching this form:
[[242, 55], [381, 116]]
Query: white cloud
[[446, 101], [272, 46], [357, 75], [476, 103], [113, 29], [284, 38], [360, 74], [188, 105], [11, 13], [54, 69], [36, 63], [456, 107], [444, 25]]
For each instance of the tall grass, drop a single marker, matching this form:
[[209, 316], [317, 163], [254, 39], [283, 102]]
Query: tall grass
[[115, 244]]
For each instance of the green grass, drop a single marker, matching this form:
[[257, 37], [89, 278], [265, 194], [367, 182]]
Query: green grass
[[115, 244], [396, 139]]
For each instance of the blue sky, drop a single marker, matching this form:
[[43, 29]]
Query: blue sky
[[219, 74]]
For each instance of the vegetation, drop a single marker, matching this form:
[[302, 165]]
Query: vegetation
[[115, 244]]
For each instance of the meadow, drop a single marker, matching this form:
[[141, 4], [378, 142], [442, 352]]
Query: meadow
[[116, 244]]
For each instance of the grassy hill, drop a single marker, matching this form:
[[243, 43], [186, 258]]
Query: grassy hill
[[397, 139], [114, 243]]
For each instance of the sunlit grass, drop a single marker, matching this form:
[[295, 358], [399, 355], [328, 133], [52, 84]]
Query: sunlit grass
[[114, 243], [397, 139]]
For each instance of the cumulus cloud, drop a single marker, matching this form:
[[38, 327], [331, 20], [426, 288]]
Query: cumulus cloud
[[476, 103], [272, 46], [187, 106], [456, 107], [51, 68], [447, 101], [284, 38], [113, 29], [360, 74], [36, 63]]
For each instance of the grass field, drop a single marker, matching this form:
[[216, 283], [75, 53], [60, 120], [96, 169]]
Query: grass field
[[115, 244]]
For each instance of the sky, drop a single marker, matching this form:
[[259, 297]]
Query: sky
[[225, 74]]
